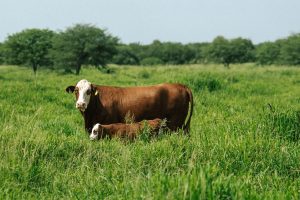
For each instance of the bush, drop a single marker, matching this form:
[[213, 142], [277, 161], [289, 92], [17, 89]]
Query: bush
[[208, 82], [144, 74]]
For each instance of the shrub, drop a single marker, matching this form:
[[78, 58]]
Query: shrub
[[144, 74], [205, 82]]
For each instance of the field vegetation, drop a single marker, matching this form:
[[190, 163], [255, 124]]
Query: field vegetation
[[244, 141]]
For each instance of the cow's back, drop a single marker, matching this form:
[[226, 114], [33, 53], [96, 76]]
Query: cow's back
[[168, 101]]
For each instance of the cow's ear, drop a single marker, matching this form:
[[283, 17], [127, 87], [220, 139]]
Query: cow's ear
[[70, 89], [94, 90]]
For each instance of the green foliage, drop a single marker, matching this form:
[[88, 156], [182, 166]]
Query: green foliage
[[203, 82], [83, 44], [219, 51], [290, 50], [170, 53], [29, 47], [225, 51], [125, 56], [238, 148], [242, 50], [267, 53], [151, 61], [144, 74], [1, 53], [285, 125], [199, 52], [283, 51]]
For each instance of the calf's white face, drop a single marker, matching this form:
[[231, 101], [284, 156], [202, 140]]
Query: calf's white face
[[83, 92], [95, 131]]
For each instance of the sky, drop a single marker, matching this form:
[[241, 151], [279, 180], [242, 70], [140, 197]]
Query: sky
[[166, 20]]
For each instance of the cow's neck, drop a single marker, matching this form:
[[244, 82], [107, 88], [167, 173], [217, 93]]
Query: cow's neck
[[92, 113]]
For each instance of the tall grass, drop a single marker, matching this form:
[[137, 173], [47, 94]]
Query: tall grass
[[244, 141]]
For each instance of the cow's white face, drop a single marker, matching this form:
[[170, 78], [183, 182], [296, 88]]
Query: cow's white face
[[95, 131], [83, 92]]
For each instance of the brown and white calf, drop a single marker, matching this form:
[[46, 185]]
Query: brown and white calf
[[107, 104], [123, 130]]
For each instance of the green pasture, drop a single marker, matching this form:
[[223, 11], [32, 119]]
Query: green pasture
[[244, 142]]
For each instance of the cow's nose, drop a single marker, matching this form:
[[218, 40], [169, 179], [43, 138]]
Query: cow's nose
[[80, 105]]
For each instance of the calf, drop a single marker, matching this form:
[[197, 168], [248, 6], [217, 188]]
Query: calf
[[123, 130]]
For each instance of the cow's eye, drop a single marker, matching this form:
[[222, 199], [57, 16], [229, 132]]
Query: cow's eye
[[76, 91], [88, 92]]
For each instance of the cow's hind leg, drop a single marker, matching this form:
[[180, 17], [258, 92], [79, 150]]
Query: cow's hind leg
[[175, 124]]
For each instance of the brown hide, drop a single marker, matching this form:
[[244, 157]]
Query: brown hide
[[129, 131], [111, 104]]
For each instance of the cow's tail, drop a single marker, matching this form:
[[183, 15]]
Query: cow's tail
[[186, 128]]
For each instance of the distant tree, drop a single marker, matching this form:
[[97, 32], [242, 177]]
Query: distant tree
[[176, 53], [29, 47], [170, 52], [219, 51], [83, 44], [290, 50], [125, 56], [225, 51], [155, 50], [141, 51], [198, 52], [1, 53], [267, 53], [151, 61], [242, 50]]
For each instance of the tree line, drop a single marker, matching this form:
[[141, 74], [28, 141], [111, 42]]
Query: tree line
[[84, 44]]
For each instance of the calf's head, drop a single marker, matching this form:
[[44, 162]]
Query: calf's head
[[95, 132], [83, 91]]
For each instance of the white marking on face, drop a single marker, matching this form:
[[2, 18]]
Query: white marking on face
[[84, 94], [95, 132]]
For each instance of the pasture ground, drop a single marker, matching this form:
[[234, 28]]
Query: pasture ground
[[244, 141]]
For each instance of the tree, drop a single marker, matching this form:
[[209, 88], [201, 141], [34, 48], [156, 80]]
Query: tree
[[219, 51], [225, 51], [125, 56], [29, 47], [198, 52], [290, 50], [1, 53], [83, 44], [241, 50], [267, 53]]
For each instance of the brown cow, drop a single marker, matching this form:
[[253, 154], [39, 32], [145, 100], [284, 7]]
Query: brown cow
[[107, 105], [123, 130]]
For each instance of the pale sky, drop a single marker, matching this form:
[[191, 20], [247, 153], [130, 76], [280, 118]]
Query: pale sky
[[167, 20]]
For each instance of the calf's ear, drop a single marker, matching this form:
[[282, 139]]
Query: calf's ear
[[70, 89]]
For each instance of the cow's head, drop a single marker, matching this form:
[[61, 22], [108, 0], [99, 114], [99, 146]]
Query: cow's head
[[83, 91], [95, 132]]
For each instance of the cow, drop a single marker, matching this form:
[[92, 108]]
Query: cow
[[123, 130], [109, 104]]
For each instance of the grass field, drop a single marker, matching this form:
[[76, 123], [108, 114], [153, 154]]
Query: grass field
[[244, 142]]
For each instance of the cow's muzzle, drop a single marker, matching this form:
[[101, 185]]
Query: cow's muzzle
[[81, 106]]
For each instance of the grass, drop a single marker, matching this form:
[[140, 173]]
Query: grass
[[244, 141]]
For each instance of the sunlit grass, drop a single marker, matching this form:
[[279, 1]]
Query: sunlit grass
[[244, 141]]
